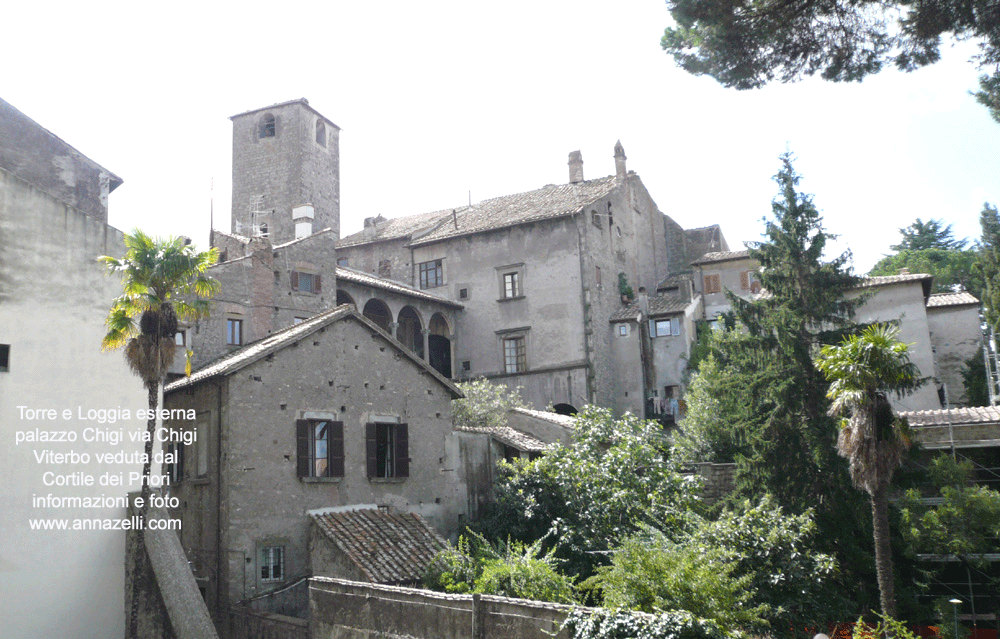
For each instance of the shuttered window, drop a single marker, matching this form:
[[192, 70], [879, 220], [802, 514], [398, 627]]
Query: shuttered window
[[320, 448], [387, 450], [712, 284], [306, 282]]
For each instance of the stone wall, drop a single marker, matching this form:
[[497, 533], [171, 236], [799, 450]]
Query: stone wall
[[341, 609]]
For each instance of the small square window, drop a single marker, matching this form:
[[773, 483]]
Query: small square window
[[466, 365], [623, 330], [342, 261], [4, 358], [272, 563], [234, 331], [463, 293]]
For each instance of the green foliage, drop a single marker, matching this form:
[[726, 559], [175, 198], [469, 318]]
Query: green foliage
[[615, 477], [948, 627], [746, 44], [952, 268], [921, 236], [967, 521], [886, 627], [621, 624], [511, 569], [485, 404], [650, 573], [974, 380], [988, 265], [624, 288]]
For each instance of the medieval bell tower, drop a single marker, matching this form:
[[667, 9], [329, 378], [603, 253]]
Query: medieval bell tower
[[286, 172]]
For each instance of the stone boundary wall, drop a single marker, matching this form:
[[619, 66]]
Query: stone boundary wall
[[342, 609], [719, 479]]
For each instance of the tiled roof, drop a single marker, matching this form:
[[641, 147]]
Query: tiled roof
[[566, 421], [304, 102], [367, 279], [941, 417], [962, 298], [500, 212], [721, 256], [883, 280], [280, 339], [669, 304], [510, 436], [389, 548], [673, 281]]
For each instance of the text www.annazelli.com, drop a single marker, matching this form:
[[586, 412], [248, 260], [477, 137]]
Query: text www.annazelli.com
[[131, 523]]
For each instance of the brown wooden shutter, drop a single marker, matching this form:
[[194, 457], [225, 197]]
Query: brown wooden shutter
[[335, 449], [303, 455], [371, 450], [295, 280], [745, 280], [402, 452], [316, 284]]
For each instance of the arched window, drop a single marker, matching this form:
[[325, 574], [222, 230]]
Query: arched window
[[266, 126], [320, 133]]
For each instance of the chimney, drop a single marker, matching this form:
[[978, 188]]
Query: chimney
[[302, 217], [643, 301], [575, 167], [620, 158]]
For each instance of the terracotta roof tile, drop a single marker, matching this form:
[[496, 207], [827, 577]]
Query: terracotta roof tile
[[659, 305], [883, 280], [367, 279], [955, 416], [721, 256], [962, 298], [511, 436], [389, 548]]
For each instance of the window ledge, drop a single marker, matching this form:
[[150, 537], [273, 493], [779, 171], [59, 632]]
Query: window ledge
[[197, 481], [387, 480], [511, 299], [321, 480]]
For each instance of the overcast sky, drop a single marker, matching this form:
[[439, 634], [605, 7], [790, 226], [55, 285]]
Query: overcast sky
[[440, 99]]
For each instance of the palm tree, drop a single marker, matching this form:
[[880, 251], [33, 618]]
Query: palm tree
[[162, 279], [864, 370]]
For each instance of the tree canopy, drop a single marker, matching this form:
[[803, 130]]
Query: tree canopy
[[928, 235], [746, 44]]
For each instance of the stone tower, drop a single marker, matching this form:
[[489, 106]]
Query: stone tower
[[286, 172]]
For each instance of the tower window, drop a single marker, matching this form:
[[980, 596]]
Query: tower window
[[320, 133], [4, 357], [266, 126]]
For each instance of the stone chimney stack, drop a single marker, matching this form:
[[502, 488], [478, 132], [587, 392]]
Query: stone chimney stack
[[575, 167], [620, 158]]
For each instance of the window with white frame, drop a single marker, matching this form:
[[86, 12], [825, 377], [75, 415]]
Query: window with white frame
[[272, 563], [511, 284], [623, 330], [515, 355], [664, 327]]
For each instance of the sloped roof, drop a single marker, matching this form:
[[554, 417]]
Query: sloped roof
[[962, 298], [884, 280], [721, 256], [304, 102], [367, 279], [510, 436], [389, 548], [246, 355], [566, 421], [509, 210], [954, 416], [658, 305]]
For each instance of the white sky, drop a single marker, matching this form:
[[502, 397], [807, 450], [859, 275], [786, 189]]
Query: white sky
[[437, 99]]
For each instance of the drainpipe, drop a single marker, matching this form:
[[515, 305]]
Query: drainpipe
[[580, 219]]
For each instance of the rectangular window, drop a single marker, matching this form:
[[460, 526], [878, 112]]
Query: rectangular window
[[385, 269], [180, 338], [664, 327], [515, 358], [431, 274], [175, 468], [597, 275], [511, 285], [4, 358], [466, 365], [387, 448], [234, 331], [272, 563], [342, 261], [463, 293], [595, 218], [201, 444], [623, 330], [712, 284], [320, 448], [305, 282]]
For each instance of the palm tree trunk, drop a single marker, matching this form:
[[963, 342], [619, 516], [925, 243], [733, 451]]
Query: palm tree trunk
[[883, 549], [138, 573]]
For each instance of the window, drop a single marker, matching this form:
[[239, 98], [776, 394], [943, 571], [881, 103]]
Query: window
[[298, 320], [749, 281], [664, 327], [431, 274], [175, 467], [234, 331], [320, 133], [712, 284], [595, 218], [320, 448], [463, 293], [385, 269], [387, 449], [266, 126], [511, 285], [597, 275], [466, 365], [611, 217], [201, 434], [272, 563], [623, 330], [180, 338], [306, 282], [4, 358], [341, 261], [515, 358]]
